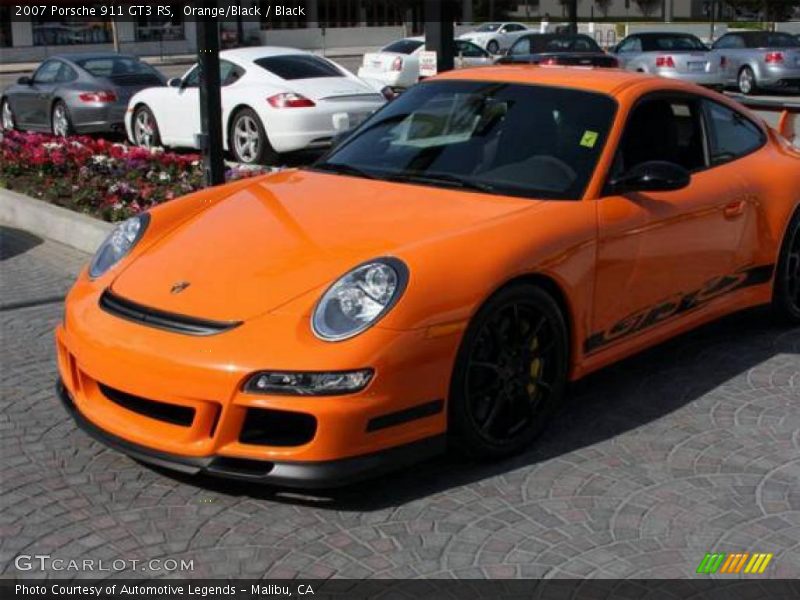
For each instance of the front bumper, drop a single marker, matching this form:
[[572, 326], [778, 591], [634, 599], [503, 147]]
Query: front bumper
[[307, 475], [115, 371]]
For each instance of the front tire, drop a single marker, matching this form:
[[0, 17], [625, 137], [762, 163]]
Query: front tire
[[60, 122], [747, 81], [145, 128], [786, 292], [510, 374], [7, 116], [493, 47], [248, 140]]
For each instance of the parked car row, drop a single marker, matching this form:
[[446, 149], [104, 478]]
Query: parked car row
[[749, 61], [279, 100], [274, 100]]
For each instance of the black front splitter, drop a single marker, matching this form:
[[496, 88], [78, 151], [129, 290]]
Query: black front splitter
[[305, 475]]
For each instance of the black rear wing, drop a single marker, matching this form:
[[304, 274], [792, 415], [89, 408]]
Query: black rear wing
[[783, 114]]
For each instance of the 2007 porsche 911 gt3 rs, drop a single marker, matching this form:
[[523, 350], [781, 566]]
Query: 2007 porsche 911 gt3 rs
[[440, 276]]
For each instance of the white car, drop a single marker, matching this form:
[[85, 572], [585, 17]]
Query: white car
[[397, 65], [274, 100], [496, 37]]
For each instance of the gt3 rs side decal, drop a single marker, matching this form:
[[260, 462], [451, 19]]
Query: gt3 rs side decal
[[678, 304]]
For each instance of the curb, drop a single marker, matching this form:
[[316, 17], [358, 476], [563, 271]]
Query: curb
[[52, 222]]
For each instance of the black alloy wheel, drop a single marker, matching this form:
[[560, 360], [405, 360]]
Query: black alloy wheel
[[510, 374], [786, 294]]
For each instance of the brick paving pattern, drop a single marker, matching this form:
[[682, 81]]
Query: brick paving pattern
[[691, 447]]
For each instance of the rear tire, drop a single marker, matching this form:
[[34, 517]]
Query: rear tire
[[510, 373], [747, 81], [60, 121], [248, 142], [7, 121], [145, 128], [493, 47], [786, 291]]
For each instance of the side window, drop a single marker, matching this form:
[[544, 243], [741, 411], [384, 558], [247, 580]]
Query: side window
[[722, 43], [521, 47], [558, 45], [583, 45], [229, 73], [663, 129], [66, 73], [728, 42], [192, 79], [731, 134], [633, 44], [469, 50], [48, 72]]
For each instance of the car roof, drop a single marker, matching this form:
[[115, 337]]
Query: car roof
[[252, 53], [591, 79], [75, 56], [537, 35], [661, 34]]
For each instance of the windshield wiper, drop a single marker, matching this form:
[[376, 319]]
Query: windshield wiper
[[343, 169], [444, 179]]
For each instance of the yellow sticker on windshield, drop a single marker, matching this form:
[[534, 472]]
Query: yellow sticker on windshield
[[589, 139]]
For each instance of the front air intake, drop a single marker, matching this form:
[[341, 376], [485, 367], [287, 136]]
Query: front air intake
[[152, 317]]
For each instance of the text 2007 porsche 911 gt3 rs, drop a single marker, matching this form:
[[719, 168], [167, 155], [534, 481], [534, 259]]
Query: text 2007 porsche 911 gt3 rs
[[440, 276]]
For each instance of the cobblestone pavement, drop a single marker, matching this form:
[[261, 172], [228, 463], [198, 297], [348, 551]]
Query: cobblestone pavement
[[691, 447]]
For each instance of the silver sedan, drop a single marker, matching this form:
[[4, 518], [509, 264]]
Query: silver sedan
[[674, 55], [753, 60], [76, 93]]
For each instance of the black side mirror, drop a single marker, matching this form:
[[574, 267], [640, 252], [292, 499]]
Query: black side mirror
[[175, 82], [25, 80], [652, 176]]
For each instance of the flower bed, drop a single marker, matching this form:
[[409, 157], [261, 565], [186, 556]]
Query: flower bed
[[104, 179]]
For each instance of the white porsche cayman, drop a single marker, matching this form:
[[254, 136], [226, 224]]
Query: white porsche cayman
[[274, 100]]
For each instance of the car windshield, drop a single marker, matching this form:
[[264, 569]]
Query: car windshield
[[520, 140], [116, 67], [403, 46], [768, 39], [298, 66], [489, 27], [656, 43]]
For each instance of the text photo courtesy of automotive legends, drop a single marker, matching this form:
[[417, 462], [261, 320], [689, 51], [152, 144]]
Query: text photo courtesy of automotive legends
[[327, 292]]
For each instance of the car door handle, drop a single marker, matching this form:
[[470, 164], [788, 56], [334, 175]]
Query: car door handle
[[733, 210]]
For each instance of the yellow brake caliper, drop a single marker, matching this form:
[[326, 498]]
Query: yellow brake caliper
[[536, 368]]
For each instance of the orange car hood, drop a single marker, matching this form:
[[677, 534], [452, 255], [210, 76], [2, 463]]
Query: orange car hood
[[289, 233]]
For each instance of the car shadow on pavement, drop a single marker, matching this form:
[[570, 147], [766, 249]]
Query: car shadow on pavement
[[14, 242], [606, 404]]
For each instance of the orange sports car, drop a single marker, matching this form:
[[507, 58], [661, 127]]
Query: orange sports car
[[438, 278]]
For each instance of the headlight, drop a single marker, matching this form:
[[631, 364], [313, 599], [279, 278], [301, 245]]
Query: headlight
[[118, 244], [292, 383], [359, 299]]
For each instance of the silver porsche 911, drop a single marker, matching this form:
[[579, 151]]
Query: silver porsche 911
[[76, 93]]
